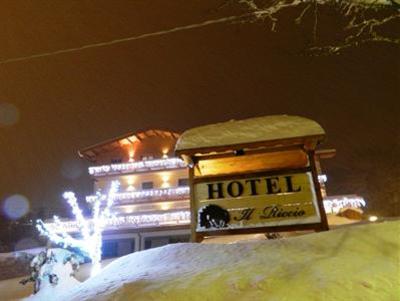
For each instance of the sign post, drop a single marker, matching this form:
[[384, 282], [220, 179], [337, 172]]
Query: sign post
[[254, 176]]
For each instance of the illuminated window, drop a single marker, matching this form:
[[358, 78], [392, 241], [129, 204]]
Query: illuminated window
[[147, 185], [183, 182]]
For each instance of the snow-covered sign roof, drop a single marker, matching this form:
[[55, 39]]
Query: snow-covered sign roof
[[252, 130]]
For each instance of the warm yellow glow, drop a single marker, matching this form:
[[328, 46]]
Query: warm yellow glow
[[131, 154], [130, 180], [124, 142], [165, 185], [133, 138], [165, 153], [129, 140], [130, 188], [129, 210], [165, 206], [165, 180], [373, 218], [165, 177]]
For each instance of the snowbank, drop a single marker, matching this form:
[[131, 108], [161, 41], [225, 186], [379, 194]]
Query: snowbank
[[63, 271], [351, 263], [12, 290], [49, 292], [14, 264]]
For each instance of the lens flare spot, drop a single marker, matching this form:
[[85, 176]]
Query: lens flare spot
[[16, 206], [373, 218], [9, 114]]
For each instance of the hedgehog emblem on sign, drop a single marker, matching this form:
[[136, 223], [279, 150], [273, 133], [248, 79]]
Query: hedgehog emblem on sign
[[213, 216]]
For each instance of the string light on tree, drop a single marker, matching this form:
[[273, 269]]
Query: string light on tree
[[90, 229]]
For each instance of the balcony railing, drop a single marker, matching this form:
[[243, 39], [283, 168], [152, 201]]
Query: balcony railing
[[140, 166], [175, 218], [148, 194]]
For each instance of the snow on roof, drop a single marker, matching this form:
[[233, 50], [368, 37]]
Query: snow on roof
[[92, 151], [351, 263], [259, 129]]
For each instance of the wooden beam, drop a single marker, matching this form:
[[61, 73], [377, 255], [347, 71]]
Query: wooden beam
[[256, 174], [325, 153], [320, 202], [194, 237], [252, 162]]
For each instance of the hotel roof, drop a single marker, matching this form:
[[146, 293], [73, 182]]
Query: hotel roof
[[92, 151]]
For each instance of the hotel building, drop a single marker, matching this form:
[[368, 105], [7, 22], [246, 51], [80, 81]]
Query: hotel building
[[152, 205]]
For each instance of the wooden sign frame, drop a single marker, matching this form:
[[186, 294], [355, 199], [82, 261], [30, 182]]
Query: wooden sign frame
[[276, 135], [199, 236]]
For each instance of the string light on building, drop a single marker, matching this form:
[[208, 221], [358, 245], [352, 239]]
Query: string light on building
[[158, 164], [322, 178], [136, 221], [148, 193], [335, 203]]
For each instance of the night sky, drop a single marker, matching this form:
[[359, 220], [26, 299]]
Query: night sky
[[185, 79]]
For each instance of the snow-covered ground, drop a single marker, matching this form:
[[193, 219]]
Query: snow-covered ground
[[15, 264], [11, 289], [351, 263]]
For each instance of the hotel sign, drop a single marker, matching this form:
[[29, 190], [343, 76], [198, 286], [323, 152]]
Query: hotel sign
[[257, 175], [252, 202]]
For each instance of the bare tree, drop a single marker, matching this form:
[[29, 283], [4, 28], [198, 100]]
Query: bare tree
[[356, 22]]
